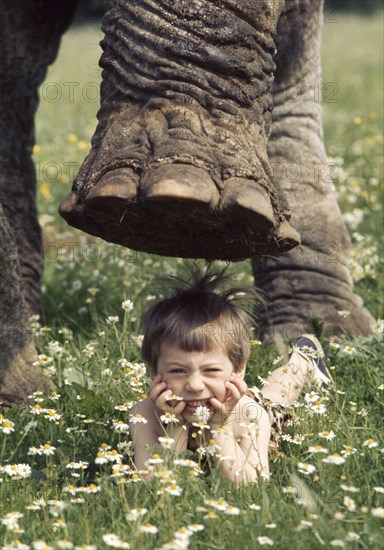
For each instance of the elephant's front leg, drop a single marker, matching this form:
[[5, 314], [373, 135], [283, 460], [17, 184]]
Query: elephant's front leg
[[18, 377], [30, 32], [178, 164], [312, 280]]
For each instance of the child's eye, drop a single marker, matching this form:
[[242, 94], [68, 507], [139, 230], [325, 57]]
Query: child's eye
[[212, 370], [176, 371]]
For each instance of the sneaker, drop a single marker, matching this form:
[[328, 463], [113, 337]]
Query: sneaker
[[310, 348]]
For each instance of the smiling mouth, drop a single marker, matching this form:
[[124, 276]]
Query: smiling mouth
[[192, 405]]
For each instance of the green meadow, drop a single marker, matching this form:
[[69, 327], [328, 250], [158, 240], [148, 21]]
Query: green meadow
[[67, 478]]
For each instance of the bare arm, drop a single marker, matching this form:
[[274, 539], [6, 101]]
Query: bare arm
[[146, 434], [244, 449]]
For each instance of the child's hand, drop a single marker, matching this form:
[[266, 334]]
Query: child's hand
[[236, 387], [161, 396]]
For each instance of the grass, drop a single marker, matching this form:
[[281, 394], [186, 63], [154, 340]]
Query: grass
[[95, 363]]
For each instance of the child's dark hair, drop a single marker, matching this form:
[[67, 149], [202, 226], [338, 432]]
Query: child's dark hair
[[208, 310]]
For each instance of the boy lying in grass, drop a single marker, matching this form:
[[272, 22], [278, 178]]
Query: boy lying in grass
[[196, 346]]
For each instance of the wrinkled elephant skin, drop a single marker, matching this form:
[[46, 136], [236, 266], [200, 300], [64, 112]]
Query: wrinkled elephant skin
[[198, 120]]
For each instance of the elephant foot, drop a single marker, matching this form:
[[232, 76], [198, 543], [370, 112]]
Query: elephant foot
[[247, 205], [329, 317], [177, 209], [301, 298], [21, 379]]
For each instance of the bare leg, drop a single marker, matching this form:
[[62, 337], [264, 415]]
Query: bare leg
[[285, 383]]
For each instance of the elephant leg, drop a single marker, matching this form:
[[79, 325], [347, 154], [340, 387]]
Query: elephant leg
[[18, 377], [30, 32], [29, 39], [313, 280], [178, 164]]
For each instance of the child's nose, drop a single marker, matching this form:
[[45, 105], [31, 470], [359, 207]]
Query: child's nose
[[195, 383]]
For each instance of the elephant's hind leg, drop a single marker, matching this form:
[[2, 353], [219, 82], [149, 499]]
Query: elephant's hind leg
[[312, 281]]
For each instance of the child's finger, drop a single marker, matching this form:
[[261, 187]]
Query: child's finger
[[216, 404], [234, 393], [162, 401], [157, 390], [178, 409], [239, 383], [156, 380]]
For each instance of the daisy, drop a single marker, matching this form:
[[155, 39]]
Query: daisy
[[317, 449], [113, 540], [6, 426], [174, 490], [47, 449], [64, 544], [41, 545], [352, 536], [305, 468], [348, 450], [125, 406], [169, 418], [265, 541], [185, 462], [211, 515], [114, 456], [202, 414], [148, 528], [77, 465], [195, 527], [212, 448], [337, 542], [51, 415], [298, 439], [137, 419], [136, 513], [318, 408], [182, 534], [56, 507], [329, 435], [378, 327], [166, 442], [112, 320], [155, 459], [232, 510], [119, 426], [290, 490], [311, 397], [10, 520], [92, 488], [20, 470], [349, 488], [175, 397], [349, 503], [127, 305], [59, 524], [370, 443], [334, 459], [349, 350], [201, 425], [219, 504]]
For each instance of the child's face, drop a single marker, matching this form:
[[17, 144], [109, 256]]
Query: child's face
[[195, 375]]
